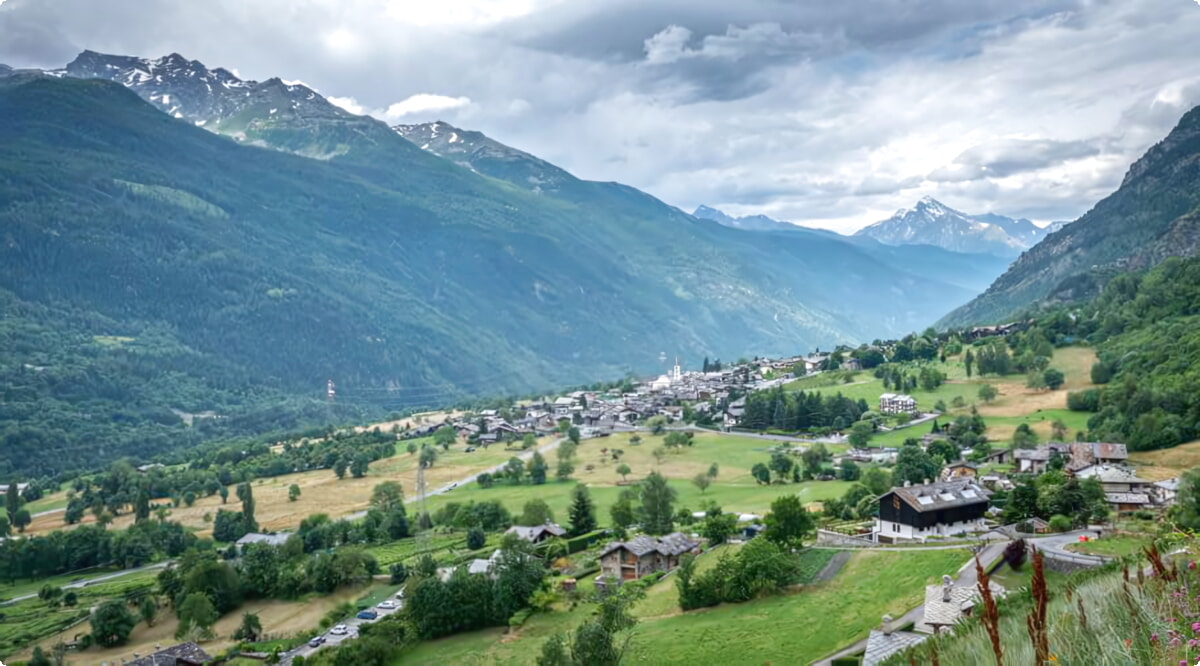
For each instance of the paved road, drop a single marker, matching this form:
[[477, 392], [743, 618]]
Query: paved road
[[93, 581], [352, 625]]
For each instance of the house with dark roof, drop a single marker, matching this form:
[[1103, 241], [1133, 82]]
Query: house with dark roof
[[914, 513], [184, 654], [537, 533], [643, 555]]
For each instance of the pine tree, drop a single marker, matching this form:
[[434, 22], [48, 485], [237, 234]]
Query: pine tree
[[583, 511]]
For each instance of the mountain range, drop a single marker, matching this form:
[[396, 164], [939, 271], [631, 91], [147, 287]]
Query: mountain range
[[214, 244], [929, 222], [1154, 214]]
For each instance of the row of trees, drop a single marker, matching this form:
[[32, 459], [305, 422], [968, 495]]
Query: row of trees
[[776, 409]]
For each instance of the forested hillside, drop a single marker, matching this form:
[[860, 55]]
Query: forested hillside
[[1151, 216], [1146, 328], [203, 275]]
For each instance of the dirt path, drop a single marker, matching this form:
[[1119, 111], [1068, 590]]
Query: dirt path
[[833, 566]]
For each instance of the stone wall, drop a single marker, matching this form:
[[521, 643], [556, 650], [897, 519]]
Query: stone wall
[[827, 538]]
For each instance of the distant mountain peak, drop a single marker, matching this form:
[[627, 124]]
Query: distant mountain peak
[[747, 222], [480, 153], [931, 222]]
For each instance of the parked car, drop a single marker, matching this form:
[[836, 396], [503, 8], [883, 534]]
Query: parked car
[[316, 641], [470, 449], [367, 615], [387, 604], [340, 630]]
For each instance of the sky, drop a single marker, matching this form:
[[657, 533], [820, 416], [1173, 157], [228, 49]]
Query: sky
[[831, 115]]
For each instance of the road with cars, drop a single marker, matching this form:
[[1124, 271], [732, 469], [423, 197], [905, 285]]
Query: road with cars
[[347, 630]]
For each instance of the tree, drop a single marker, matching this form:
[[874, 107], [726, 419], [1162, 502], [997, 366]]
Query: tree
[[969, 362], [1187, 501], [713, 470], [339, 466], [624, 470], [761, 473], [444, 437], [1053, 378], [860, 434], [528, 441], [246, 494], [112, 623], [1035, 380], [428, 456], [387, 496], [943, 450], [359, 465], [718, 527], [476, 538], [250, 628], [849, 470], [877, 480], [12, 499], [1024, 437], [635, 440], [701, 481], [147, 609], [555, 652], [788, 522], [224, 493], [915, 466], [514, 470], [537, 468], [1060, 523], [1058, 430], [564, 470], [657, 505], [293, 492], [535, 512], [781, 464], [197, 615], [21, 519], [660, 454], [657, 424], [582, 512], [38, 658], [411, 447], [573, 435], [988, 393], [623, 512], [5, 526]]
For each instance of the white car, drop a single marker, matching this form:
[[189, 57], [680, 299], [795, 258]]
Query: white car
[[387, 604], [340, 630]]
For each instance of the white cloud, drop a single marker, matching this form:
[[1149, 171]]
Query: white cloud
[[348, 103], [425, 103], [461, 12]]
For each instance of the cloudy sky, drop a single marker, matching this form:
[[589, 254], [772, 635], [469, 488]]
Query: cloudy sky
[[829, 114]]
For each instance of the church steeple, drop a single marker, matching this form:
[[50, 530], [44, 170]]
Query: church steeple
[[676, 372]]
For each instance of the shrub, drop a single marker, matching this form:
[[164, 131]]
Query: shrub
[[581, 542], [1084, 401], [1060, 523]]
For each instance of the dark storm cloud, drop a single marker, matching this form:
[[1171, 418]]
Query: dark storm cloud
[[831, 113]]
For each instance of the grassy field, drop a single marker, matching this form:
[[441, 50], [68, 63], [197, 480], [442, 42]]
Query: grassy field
[[790, 629], [799, 627], [279, 618], [29, 622], [1166, 463], [1112, 546], [321, 491], [23, 587], [734, 489]]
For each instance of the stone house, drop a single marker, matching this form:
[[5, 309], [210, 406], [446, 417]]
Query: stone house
[[537, 533], [643, 555]]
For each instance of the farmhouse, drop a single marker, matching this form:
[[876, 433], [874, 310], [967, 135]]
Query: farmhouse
[[643, 555], [537, 533], [1123, 490], [913, 513], [893, 403], [960, 470], [1164, 492]]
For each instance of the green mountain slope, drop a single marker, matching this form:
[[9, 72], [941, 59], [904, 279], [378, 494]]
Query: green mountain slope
[[255, 275], [1151, 216]]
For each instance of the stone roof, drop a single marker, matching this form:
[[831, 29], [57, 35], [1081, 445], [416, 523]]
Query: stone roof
[[943, 613], [941, 495], [532, 533], [675, 543], [186, 653], [1169, 484], [1109, 474], [277, 539], [1127, 498], [880, 646], [1041, 455], [1109, 451]]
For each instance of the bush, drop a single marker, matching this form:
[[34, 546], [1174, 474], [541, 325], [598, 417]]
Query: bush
[[581, 542], [1060, 523], [1084, 401]]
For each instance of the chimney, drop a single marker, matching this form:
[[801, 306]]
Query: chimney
[[947, 586], [886, 626], [907, 483], [926, 481]]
